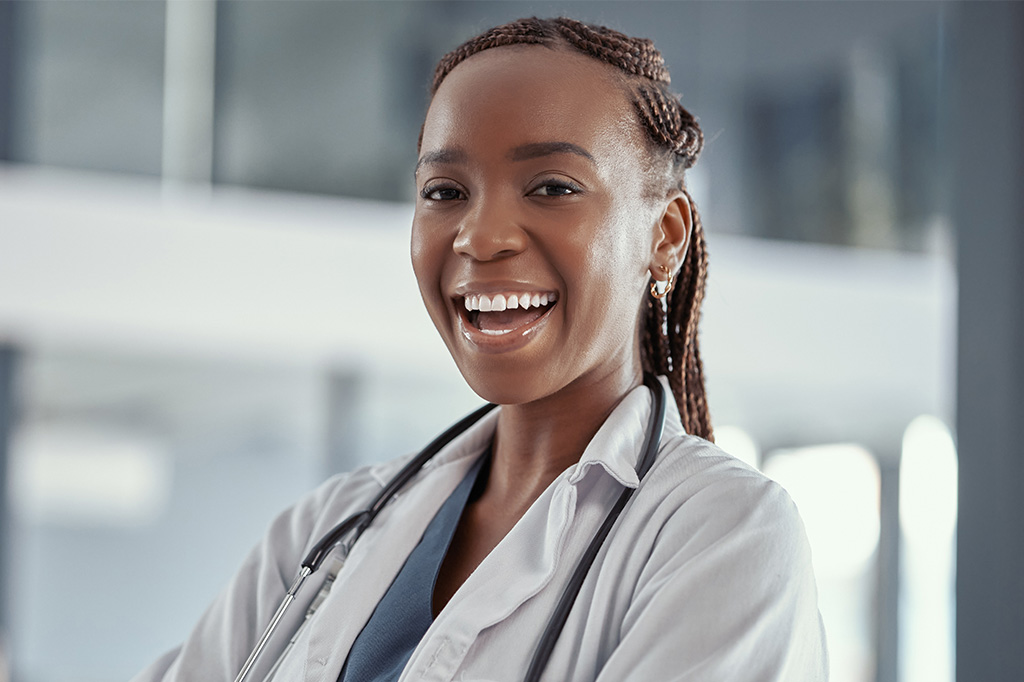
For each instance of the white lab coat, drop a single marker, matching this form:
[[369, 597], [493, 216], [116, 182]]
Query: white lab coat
[[705, 577]]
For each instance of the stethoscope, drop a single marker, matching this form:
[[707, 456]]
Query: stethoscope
[[348, 531]]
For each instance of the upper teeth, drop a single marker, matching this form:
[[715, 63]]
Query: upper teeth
[[499, 302]]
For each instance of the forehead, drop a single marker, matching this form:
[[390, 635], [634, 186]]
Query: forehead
[[509, 96]]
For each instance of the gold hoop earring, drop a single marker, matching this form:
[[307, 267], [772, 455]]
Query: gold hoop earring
[[661, 287]]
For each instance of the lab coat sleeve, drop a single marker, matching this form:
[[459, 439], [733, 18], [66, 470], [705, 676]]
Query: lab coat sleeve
[[224, 635], [728, 594]]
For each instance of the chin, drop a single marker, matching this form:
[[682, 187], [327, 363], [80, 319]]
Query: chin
[[505, 386]]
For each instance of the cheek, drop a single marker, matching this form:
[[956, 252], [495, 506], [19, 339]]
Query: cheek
[[417, 251], [427, 253], [620, 250], [611, 270]]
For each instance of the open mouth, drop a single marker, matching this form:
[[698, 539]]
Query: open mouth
[[499, 314]]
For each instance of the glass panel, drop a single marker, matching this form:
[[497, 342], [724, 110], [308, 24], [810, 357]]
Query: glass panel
[[139, 484], [89, 85], [848, 153], [334, 107]]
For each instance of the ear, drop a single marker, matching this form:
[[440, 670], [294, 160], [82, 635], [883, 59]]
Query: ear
[[671, 235]]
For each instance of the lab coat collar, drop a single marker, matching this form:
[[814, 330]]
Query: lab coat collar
[[617, 444]]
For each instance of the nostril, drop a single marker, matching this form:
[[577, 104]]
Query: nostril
[[484, 239]]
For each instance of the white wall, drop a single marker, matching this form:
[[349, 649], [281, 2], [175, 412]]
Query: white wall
[[833, 343]]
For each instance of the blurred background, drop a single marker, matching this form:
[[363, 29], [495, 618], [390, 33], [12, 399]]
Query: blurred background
[[207, 307]]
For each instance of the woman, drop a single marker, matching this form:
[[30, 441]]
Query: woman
[[559, 256]]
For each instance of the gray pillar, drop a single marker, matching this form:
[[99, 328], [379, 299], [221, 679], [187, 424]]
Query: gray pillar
[[189, 66], [986, 137], [888, 615], [7, 54], [8, 365]]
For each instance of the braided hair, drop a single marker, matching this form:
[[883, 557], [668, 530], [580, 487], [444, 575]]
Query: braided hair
[[668, 332]]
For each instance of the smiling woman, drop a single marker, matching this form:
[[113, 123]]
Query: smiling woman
[[587, 529]]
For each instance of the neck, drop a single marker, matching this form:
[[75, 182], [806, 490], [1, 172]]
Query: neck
[[537, 441]]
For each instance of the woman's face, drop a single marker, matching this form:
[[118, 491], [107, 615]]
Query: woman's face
[[533, 234]]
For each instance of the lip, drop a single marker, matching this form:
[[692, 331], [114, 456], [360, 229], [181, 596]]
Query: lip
[[513, 340], [498, 287]]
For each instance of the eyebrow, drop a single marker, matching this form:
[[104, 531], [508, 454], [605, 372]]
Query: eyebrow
[[534, 150], [523, 152], [440, 156]]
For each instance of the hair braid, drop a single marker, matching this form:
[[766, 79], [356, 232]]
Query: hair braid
[[637, 56], [522, 32], [669, 124], [669, 332]]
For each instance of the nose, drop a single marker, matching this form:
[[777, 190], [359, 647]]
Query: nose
[[489, 231]]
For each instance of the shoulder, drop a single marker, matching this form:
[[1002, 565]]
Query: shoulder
[[691, 467], [704, 496], [724, 547], [696, 483], [728, 544]]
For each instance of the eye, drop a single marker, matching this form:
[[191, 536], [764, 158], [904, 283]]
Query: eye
[[441, 193], [555, 188]]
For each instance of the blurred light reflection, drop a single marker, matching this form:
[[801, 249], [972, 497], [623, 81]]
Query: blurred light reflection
[[88, 476], [837, 489], [928, 513]]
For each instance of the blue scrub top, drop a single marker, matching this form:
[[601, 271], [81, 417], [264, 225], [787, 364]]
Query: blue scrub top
[[404, 613]]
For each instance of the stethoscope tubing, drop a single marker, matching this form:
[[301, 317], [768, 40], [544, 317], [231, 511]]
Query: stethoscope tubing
[[361, 520], [350, 529]]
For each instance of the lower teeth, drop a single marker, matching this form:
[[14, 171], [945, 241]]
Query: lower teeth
[[498, 321]]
